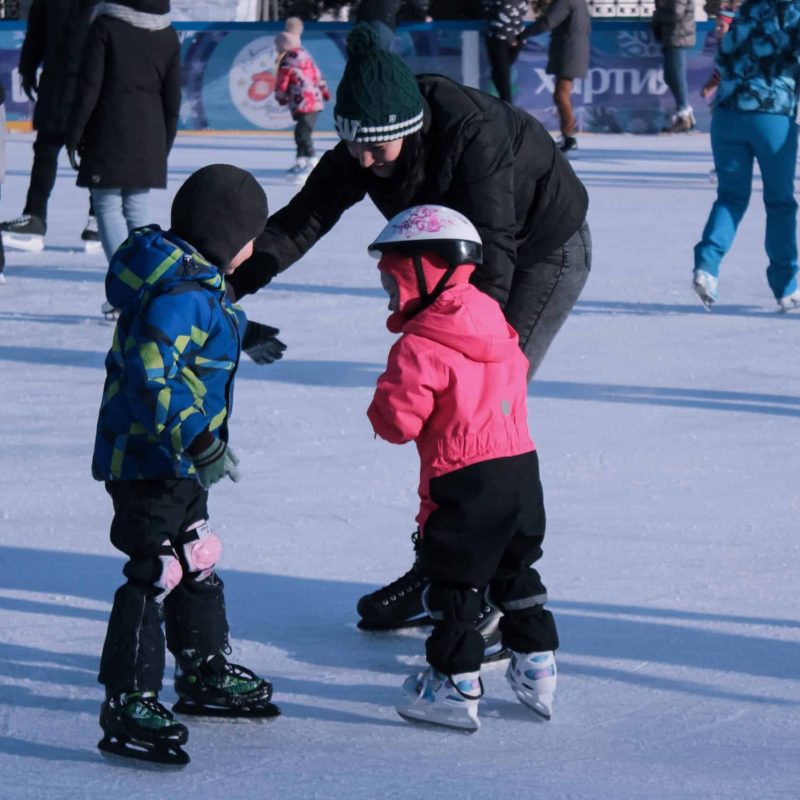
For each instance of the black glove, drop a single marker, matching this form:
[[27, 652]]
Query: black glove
[[73, 158], [29, 86], [261, 343]]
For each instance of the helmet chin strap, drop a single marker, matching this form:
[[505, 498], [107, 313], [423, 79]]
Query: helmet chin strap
[[426, 297]]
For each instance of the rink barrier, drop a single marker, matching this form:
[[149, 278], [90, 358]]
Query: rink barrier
[[229, 73]]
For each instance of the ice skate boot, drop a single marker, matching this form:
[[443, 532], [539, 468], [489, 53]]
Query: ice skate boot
[[488, 626], [24, 233], [213, 687], [567, 143], [705, 284], [682, 122], [450, 701], [299, 166], [135, 725], [398, 604], [790, 302], [533, 677], [109, 312], [91, 237]]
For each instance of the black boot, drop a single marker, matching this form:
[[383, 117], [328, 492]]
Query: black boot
[[398, 604], [136, 725], [214, 687]]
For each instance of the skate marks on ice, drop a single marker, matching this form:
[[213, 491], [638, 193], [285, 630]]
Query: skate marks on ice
[[621, 308]]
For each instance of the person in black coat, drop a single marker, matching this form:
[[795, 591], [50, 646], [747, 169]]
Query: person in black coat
[[570, 26], [126, 113], [54, 40], [410, 140], [382, 16]]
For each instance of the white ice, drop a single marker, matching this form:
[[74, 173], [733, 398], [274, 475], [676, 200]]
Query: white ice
[[668, 439]]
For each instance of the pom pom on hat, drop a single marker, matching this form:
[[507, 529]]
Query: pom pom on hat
[[378, 99], [294, 25]]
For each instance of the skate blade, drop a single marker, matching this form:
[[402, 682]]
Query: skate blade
[[429, 723], [264, 710], [125, 751], [30, 244], [540, 709], [414, 622], [92, 247]]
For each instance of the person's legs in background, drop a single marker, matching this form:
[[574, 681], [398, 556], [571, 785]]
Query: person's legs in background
[[775, 145], [566, 116], [501, 58], [111, 222], [135, 208], [733, 161], [675, 59]]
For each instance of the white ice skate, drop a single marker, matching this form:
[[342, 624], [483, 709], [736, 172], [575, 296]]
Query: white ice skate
[[451, 702], [533, 676], [91, 237], [790, 302], [705, 284], [109, 312]]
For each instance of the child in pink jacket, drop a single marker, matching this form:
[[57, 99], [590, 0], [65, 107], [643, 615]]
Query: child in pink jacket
[[455, 384], [300, 85]]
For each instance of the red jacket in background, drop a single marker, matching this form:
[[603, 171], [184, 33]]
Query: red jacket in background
[[455, 382], [299, 83]]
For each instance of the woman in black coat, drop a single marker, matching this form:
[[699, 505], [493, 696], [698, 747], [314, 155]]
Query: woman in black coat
[[408, 141], [126, 113]]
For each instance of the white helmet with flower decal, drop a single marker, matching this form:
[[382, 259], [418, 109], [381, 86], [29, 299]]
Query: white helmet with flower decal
[[429, 228]]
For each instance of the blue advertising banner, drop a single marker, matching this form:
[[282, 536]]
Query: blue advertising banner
[[229, 73]]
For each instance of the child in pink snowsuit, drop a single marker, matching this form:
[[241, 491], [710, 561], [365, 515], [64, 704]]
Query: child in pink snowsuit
[[300, 86], [455, 384]]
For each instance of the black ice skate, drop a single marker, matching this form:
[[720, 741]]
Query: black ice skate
[[26, 232], [215, 688], [136, 725], [398, 604], [488, 625]]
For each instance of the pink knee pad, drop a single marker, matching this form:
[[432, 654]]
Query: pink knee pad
[[170, 577], [202, 551]]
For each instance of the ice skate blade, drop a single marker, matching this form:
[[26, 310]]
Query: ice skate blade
[[30, 244], [128, 751], [469, 726], [263, 710], [92, 247], [541, 710], [414, 622]]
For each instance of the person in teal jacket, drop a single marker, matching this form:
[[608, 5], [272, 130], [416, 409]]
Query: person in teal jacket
[[754, 120], [161, 442]]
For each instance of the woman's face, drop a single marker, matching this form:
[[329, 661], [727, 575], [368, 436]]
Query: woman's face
[[380, 157]]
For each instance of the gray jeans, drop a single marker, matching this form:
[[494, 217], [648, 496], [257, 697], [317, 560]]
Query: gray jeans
[[543, 293]]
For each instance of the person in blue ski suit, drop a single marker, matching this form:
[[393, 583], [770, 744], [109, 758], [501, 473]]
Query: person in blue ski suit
[[754, 119]]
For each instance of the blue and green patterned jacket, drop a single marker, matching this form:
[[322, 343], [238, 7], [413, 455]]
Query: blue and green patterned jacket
[[170, 370], [759, 58]]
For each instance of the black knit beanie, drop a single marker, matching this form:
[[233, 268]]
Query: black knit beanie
[[378, 98], [218, 210]]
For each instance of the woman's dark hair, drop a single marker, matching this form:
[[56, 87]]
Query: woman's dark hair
[[411, 166]]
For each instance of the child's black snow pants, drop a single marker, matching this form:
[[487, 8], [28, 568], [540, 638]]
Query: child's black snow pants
[[486, 533], [152, 522]]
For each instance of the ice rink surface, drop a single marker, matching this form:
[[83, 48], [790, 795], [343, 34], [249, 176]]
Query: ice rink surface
[[668, 439]]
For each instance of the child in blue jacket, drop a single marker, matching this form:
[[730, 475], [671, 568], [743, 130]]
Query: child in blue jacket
[[162, 441]]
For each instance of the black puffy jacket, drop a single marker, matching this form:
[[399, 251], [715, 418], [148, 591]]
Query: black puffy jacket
[[54, 40], [492, 162], [126, 112]]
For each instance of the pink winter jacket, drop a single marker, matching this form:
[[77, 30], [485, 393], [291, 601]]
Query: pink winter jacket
[[455, 383], [299, 83]]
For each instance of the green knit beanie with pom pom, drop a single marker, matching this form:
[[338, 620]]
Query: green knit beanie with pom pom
[[378, 99]]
